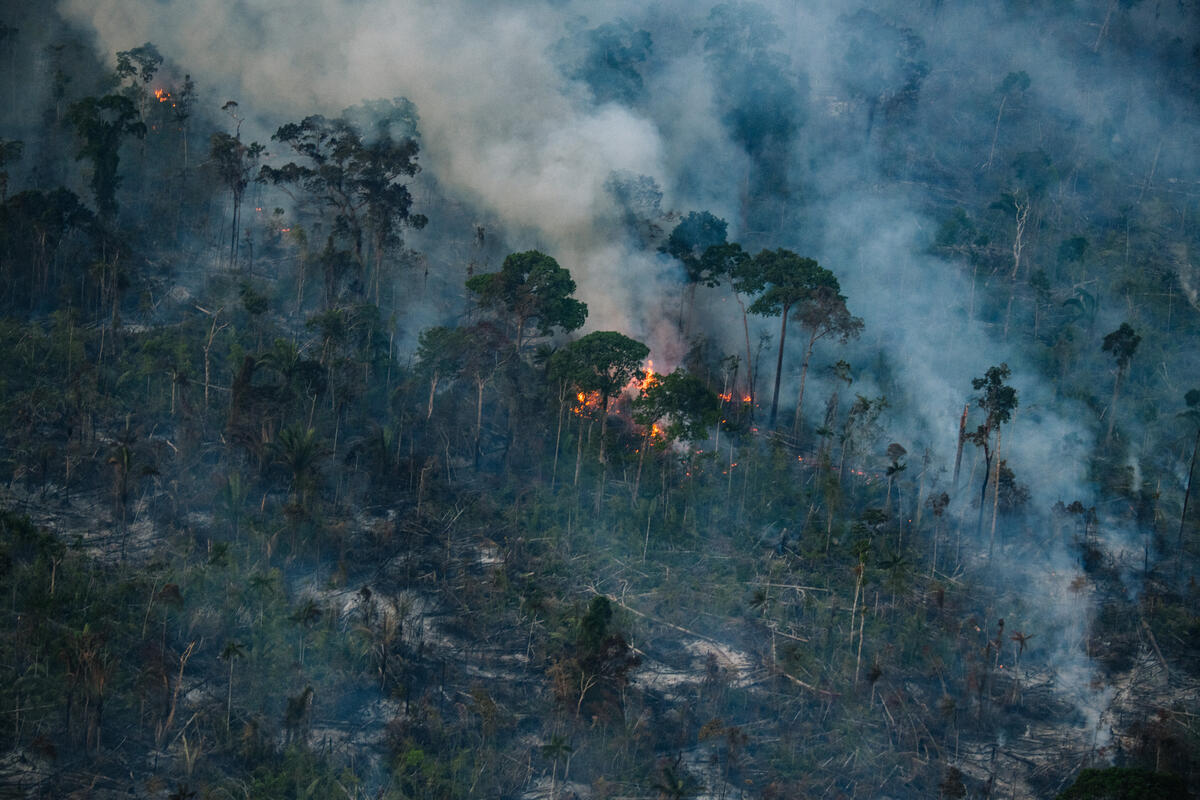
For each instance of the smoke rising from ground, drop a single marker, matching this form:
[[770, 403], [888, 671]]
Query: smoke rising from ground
[[812, 119]]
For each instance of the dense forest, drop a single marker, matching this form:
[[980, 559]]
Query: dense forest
[[548, 399]]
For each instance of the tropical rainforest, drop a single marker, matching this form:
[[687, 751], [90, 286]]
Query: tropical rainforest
[[571, 400]]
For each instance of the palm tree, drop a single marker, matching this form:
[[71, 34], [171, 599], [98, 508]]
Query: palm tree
[[300, 450], [231, 651], [555, 750]]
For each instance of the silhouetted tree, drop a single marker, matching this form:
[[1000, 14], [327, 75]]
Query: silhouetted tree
[[688, 242], [1122, 343], [234, 162], [997, 400], [102, 123], [786, 282], [604, 362], [356, 165]]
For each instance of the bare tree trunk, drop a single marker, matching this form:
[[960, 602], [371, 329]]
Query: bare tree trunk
[[995, 495], [996, 133], [987, 474], [1104, 26], [749, 357], [1022, 216], [1186, 496], [779, 366], [803, 376], [432, 389], [962, 438], [562, 399], [1112, 407]]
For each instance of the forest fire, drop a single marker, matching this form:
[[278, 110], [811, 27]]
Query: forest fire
[[162, 95], [649, 377], [586, 403]]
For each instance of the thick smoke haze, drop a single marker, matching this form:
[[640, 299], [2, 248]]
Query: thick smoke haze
[[513, 123], [518, 122]]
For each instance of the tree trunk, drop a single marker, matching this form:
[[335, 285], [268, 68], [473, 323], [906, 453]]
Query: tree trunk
[[987, 474], [749, 358], [1112, 408], [803, 376], [1186, 496], [962, 438], [996, 132], [995, 496], [1022, 216], [779, 366], [479, 382], [432, 389], [562, 399], [603, 427], [637, 481]]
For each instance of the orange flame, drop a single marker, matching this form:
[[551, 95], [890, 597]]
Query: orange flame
[[650, 378], [586, 403], [162, 94]]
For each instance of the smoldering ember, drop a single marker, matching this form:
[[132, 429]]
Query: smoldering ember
[[564, 400]]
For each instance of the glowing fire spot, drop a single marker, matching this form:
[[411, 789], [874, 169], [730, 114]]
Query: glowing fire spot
[[650, 377], [586, 403], [162, 95]]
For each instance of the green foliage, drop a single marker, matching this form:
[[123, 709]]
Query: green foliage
[[530, 288], [1122, 343], [997, 399], [102, 123], [603, 362], [689, 405]]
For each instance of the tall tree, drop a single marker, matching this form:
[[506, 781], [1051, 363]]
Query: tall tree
[[731, 261], [786, 282], [137, 67], [1122, 343], [998, 401], [356, 166], [101, 123], [681, 398], [234, 162], [822, 314], [605, 362], [530, 288], [688, 242]]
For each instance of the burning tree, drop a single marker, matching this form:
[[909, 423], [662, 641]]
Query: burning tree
[[603, 362], [681, 398]]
